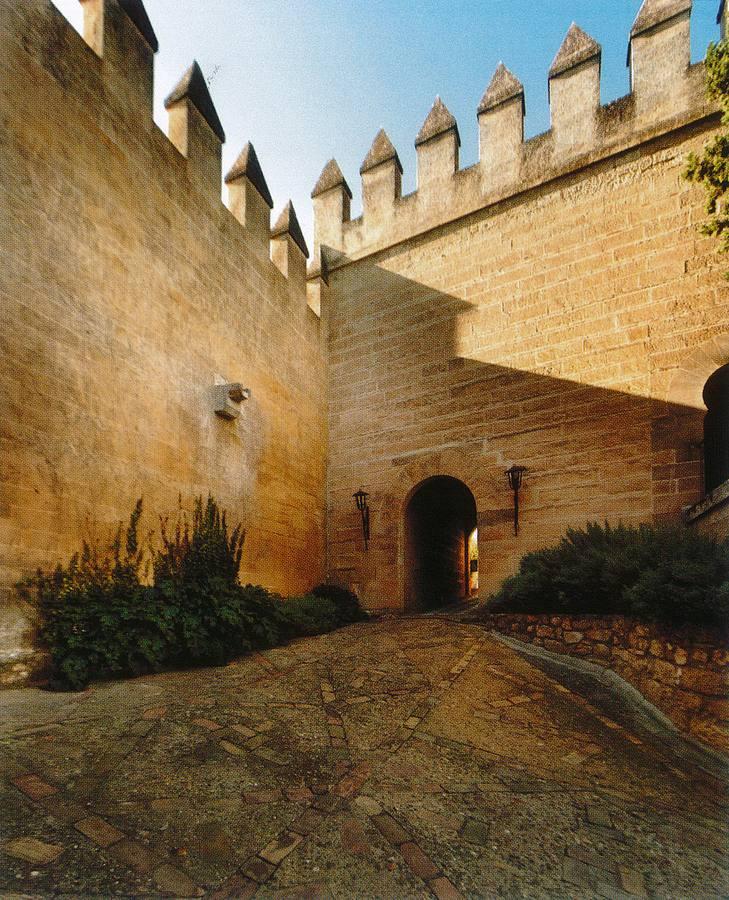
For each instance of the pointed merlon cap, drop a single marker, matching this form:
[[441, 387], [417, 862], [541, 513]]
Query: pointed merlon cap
[[656, 12], [381, 151], [247, 166], [577, 47], [319, 268], [287, 223], [192, 87], [504, 86], [138, 14], [438, 121], [331, 177]]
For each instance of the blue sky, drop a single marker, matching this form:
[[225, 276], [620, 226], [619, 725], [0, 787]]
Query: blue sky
[[306, 80]]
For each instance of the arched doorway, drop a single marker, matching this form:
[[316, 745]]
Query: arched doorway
[[716, 429], [440, 524]]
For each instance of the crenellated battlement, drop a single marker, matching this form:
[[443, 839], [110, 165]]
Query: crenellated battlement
[[667, 93], [116, 81]]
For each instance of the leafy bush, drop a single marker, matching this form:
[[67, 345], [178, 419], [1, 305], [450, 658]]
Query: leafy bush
[[346, 603], [213, 618], [669, 574], [98, 618], [193, 558], [309, 615], [327, 607], [101, 620]]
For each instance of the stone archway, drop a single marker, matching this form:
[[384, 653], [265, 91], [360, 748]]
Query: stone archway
[[440, 517], [686, 385], [716, 429]]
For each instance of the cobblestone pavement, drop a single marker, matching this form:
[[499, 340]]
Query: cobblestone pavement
[[405, 758]]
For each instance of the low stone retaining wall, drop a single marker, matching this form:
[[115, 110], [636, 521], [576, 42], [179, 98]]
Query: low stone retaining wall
[[711, 515], [684, 674]]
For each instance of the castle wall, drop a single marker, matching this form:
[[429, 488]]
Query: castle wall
[[126, 289], [560, 311]]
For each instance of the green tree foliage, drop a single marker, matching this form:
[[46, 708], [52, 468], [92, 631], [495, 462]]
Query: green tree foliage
[[672, 575], [101, 619], [711, 168]]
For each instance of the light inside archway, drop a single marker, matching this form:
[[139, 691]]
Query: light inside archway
[[473, 561]]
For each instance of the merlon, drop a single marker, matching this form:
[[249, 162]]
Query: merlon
[[247, 166], [330, 177], [655, 12], [438, 121], [577, 48], [138, 14], [288, 224], [192, 86], [380, 152], [504, 86]]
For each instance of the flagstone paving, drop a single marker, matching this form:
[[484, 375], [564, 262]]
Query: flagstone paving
[[403, 758]]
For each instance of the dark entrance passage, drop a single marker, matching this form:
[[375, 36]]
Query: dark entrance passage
[[716, 429], [440, 522]]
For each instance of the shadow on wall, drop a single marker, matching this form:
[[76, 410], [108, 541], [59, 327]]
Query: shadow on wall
[[424, 383]]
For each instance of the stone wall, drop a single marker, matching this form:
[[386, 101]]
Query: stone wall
[[711, 514], [684, 674], [127, 290], [561, 312]]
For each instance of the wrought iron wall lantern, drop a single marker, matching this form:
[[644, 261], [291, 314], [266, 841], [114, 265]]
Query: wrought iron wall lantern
[[515, 474], [360, 498]]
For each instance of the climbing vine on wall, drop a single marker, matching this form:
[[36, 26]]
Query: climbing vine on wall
[[711, 168]]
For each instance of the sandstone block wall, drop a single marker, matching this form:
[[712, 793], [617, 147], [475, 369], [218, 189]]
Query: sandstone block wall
[[127, 289], [685, 675], [711, 514], [562, 313]]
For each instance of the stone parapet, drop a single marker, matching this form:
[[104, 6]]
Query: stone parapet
[[685, 674], [667, 93], [711, 514]]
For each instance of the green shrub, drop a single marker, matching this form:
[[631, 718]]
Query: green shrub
[[213, 618], [346, 602], [309, 615], [327, 607], [672, 575], [98, 619], [193, 557], [101, 620]]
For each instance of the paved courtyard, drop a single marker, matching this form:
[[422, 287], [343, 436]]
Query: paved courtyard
[[405, 758]]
